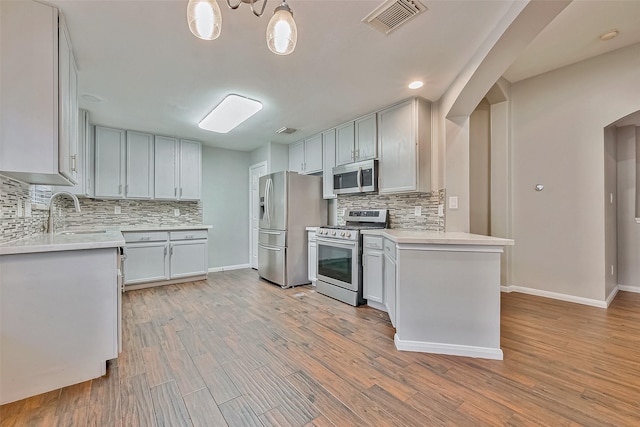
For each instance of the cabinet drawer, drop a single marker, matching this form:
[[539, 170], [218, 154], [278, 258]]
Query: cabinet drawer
[[189, 234], [390, 248], [372, 242], [145, 236]]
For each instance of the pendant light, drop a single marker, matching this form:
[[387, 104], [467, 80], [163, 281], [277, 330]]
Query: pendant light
[[282, 34], [204, 18]]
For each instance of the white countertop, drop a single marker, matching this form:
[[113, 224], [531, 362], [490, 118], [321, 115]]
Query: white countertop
[[439, 238], [312, 228], [112, 238]]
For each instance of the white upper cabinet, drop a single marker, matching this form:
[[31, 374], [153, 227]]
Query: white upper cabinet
[[110, 155], [139, 170], [166, 168], [305, 157], [329, 156], [345, 142], [405, 147], [190, 170], [84, 161], [313, 154], [356, 140], [296, 157], [37, 106]]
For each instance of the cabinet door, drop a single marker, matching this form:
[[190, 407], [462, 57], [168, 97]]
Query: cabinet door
[[65, 130], [296, 157], [345, 139], [366, 137], [390, 288], [109, 166], [397, 162], [74, 151], [329, 156], [166, 168], [312, 258], [372, 276], [190, 170], [313, 154], [139, 166], [188, 258], [146, 262]]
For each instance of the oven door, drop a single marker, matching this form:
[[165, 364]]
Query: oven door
[[338, 262]]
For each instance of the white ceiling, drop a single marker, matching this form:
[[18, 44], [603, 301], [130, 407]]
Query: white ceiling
[[153, 75]]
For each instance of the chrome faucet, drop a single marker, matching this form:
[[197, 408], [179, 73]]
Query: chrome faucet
[[76, 202]]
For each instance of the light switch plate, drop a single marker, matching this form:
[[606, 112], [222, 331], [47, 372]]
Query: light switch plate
[[440, 210], [117, 210], [176, 212], [453, 202], [417, 211]]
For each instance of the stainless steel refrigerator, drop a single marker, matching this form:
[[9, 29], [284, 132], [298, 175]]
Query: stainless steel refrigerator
[[289, 203]]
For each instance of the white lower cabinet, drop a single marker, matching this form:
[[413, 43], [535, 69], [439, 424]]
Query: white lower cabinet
[[154, 257], [372, 259], [390, 279], [312, 255]]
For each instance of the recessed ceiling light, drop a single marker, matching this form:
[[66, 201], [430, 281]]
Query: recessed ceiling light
[[609, 35], [416, 85], [232, 111], [91, 98]]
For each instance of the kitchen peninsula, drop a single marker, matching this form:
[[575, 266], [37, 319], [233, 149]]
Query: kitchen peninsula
[[442, 291]]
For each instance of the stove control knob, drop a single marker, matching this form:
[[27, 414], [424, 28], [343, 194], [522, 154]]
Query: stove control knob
[[347, 234], [333, 233]]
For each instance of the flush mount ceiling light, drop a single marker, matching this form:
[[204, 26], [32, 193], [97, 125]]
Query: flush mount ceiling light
[[415, 85], [205, 22], [228, 114]]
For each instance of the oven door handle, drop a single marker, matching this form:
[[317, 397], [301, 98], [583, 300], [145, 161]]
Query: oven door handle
[[339, 243]]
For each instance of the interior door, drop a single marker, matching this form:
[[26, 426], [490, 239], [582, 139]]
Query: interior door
[[255, 172]]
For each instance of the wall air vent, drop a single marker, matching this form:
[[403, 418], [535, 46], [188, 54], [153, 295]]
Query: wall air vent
[[393, 13]]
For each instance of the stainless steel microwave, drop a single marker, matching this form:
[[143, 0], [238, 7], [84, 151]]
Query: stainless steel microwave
[[359, 177]]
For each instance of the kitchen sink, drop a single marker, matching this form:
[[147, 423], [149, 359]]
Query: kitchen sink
[[71, 232]]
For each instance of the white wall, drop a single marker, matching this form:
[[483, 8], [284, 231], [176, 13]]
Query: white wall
[[276, 156], [558, 122], [610, 213], [628, 229], [480, 170], [225, 205]]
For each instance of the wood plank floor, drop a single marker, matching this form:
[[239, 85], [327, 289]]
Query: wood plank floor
[[237, 351]]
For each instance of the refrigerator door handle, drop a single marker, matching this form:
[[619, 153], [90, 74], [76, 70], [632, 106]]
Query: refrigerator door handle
[[277, 233]]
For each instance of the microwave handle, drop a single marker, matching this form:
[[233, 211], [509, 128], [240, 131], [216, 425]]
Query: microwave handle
[[359, 177]]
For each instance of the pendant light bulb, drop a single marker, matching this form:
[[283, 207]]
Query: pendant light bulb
[[204, 18], [282, 34]]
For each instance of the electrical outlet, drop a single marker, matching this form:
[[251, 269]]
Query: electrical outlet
[[19, 209], [440, 210], [417, 211], [612, 269], [344, 212], [27, 210], [117, 210], [176, 212], [453, 202]]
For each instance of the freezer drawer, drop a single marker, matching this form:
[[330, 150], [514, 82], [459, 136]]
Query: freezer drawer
[[272, 237], [272, 263]]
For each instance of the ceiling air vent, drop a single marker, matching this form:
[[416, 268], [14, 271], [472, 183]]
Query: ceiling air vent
[[393, 13], [286, 130]]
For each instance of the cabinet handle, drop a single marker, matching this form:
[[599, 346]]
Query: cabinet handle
[[302, 167], [175, 192], [165, 250], [74, 165], [120, 189], [353, 155], [180, 191], [357, 154], [171, 250], [126, 189], [145, 238], [189, 236]]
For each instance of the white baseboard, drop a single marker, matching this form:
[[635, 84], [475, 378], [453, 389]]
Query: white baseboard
[[612, 295], [555, 295], [229, 267], [626, 288], [449, 349]]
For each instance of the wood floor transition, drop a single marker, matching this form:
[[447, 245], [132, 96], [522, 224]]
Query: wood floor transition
[[237, 351]]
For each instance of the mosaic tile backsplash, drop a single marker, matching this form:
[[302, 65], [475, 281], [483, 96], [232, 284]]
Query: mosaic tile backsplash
[[101, 213], [94, 213], [401, 208], [13, 227]]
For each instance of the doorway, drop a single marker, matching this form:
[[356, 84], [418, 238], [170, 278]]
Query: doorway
[[255, 172]]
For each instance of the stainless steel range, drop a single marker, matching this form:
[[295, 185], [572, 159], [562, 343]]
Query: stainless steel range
[[340, 255]]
